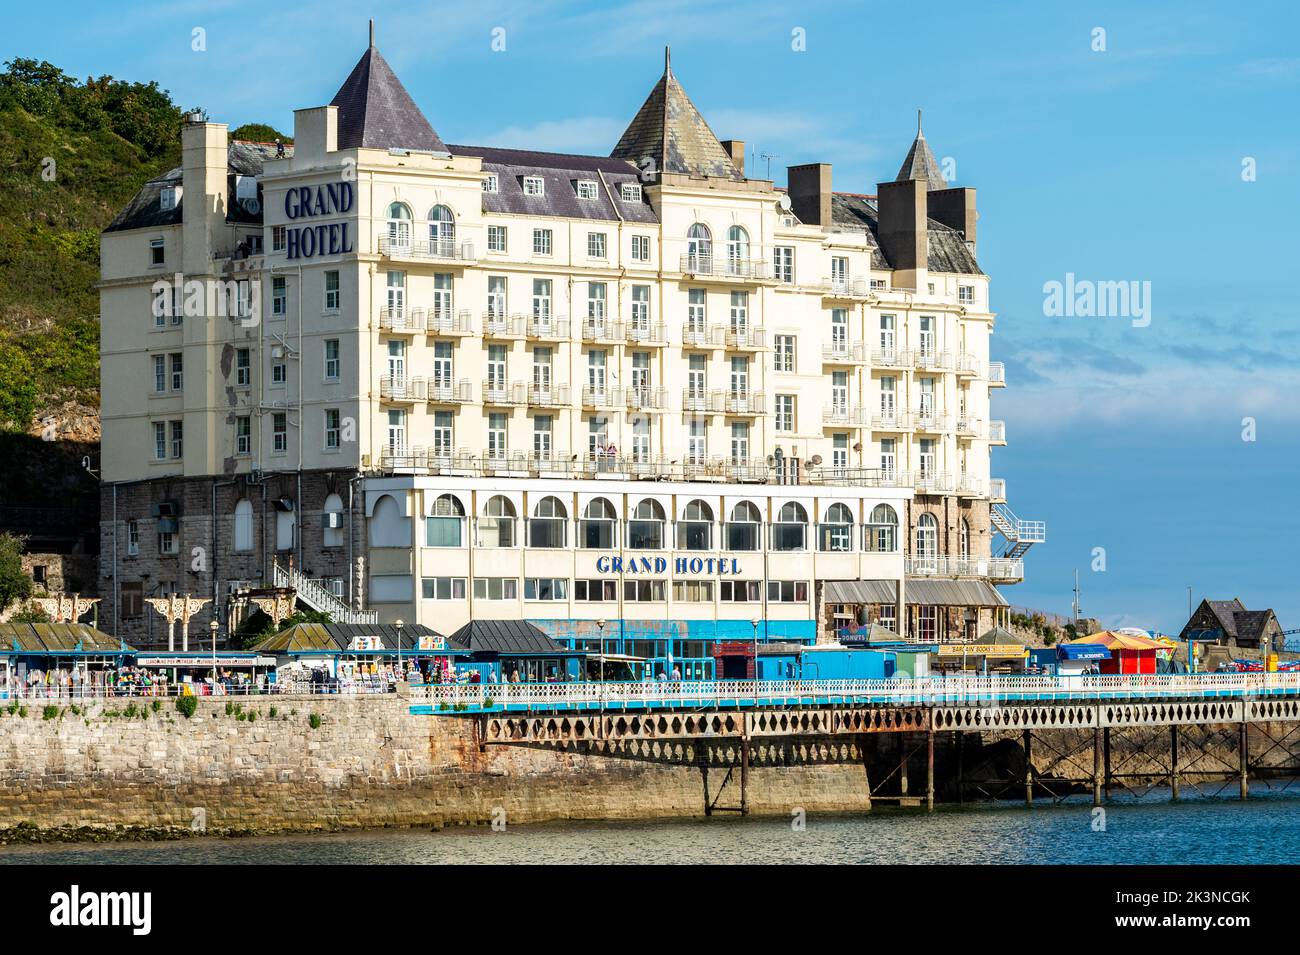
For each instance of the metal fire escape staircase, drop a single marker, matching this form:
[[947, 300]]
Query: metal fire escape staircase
[[314, 595], [1019, 535]]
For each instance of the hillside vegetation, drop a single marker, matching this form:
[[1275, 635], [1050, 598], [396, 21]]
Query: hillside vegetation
[[72, 154]]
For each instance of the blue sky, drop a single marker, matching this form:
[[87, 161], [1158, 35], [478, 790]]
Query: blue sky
[[1122, 164]]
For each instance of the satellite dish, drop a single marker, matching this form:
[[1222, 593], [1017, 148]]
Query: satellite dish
[[784, 201], [816, 459]]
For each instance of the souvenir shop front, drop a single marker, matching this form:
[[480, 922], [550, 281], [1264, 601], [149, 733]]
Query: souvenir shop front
[[208, 674], [355, 658], [59, 659]]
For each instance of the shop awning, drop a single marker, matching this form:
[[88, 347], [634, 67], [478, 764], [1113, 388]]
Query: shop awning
[[58, 639], [927, 591], [859, 592]]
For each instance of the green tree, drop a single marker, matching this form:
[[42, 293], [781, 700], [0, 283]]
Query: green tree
[[259, 133], [14, 582]]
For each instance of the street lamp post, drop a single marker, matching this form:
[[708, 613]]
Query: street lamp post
[[213, 627], [398, 624]]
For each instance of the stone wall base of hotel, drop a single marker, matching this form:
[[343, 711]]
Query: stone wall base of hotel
[[367, 764]]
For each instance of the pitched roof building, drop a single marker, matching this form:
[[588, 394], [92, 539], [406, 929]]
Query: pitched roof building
[[1229, 622]]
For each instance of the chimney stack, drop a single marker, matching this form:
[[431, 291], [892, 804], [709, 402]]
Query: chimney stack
[[901, 230], [205, 193], [315, 133], [809, 187], [955, 208], [736, 150]]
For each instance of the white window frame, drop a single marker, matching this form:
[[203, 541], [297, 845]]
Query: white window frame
[[534, 186]]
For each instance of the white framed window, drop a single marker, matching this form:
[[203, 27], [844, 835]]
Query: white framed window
[[785, 413], [243, 368], [160, 440], [596, 292], [496, 588], [243, 436], [332, 362], [177, 371], [541, 242], [641, 308], [546, 588], [534, 186], [279, 432], [442, 588], [157, 252], [279, 296], [159, 374], [966, 294], [166, 542], [630, 191], [333, 429], [783, 355], [178, 439], [595, 245], [496, 297], [783, 263], [697, 311], [543, 428], [640, 248], [491, 183], [279, 372], [332, 294], [132, 538], [279, 238], [496, 238], [497, 436], [787, 591], [586, 189]]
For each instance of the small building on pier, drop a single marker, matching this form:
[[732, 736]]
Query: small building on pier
[[515, 651]]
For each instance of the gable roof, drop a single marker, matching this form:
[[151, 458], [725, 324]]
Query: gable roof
[[670, 130], [376, 112], [505, 636], [58, 638]]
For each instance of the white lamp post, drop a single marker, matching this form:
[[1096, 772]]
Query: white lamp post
[[398, 624]]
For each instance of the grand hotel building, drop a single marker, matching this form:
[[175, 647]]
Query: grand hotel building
[[642, 396]]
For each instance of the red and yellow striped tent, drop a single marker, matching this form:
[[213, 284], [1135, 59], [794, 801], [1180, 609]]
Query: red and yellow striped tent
[[1129, 653]]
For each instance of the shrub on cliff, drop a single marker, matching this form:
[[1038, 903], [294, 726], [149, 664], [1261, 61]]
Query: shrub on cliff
[[314, 720], [14, 582], [187, 705]]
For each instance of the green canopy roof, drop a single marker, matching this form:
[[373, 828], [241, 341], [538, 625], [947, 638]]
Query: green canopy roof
[[48, 638]]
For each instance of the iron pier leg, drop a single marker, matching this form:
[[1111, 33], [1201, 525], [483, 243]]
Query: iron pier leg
[[744, 776], [961, 767], [1105, 756], [1245, 760], [901, 749], [1173, 761], [704, 776], [929, 770], [1096, 766], [1029, 768]]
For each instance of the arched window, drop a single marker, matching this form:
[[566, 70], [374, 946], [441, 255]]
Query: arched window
[[790, 531], [496, 528], [645, 529], [244, 525], [546, 528], [442, 231], [388, 528], [399, 226], [331, 520], [927, 543], [882, 530], [837, 530], [286, 520], [737, 250], [695, 529], [963, 544], [443, 526], [699, 248], [596, 529], [742, 529]]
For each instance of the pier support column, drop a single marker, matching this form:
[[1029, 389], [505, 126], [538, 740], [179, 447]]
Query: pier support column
[[900, 740], [1029, 768], [1105, 758], [961, 766], [1245, 760], [1173, 761], [929, 770], [744, 775], [708, 803], [1096, 766]]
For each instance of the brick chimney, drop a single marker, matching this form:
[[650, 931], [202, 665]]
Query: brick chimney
[[736, 150], [810, 192], [901, 231]]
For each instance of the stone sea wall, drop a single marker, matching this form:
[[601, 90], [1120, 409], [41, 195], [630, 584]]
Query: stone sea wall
[[366, 762]]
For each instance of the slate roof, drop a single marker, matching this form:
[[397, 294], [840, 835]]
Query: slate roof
[[336, 637], [376, 112], [927, 591], [1238, 623], [145, 211], [670, 130], [948, 251], [920, 164], [505, 636], [57, 638], [560, 171]]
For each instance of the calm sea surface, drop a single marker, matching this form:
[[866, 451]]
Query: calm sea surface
[[1266, 829]]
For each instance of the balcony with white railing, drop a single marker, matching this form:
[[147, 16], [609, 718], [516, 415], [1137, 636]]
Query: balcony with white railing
[[606, 397], [554, 396], [843, 353], [744, 403], [997, 375], [401, 389], [893, 421], [726, 268], [401, 320], [931, 420], [988, 568], [997, 432], [928, 360], [846, 288], [438, 250], [968, 426], [446, 391], [652, 334], [505, 393], [602, 330], [969, 486], [695, 337], [700, 402], [500, 325], [968, 366], [926, 481], [743, 339], [647, 399], [548, 328], [844, 416], [445, 321], [891, 358]]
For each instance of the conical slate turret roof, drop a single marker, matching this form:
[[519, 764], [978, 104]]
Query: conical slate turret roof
[[376, 112], [670, 130], [920, 163]]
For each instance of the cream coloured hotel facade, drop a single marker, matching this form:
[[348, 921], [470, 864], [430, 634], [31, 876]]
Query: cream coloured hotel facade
[[462, 382]]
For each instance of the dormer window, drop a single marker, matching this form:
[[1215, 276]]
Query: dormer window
[[586, 188], [630, 192], [490, 183], [534, 186], [169, 197]]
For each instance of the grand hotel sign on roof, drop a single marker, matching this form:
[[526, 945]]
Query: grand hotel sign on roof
[[326, 238]]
